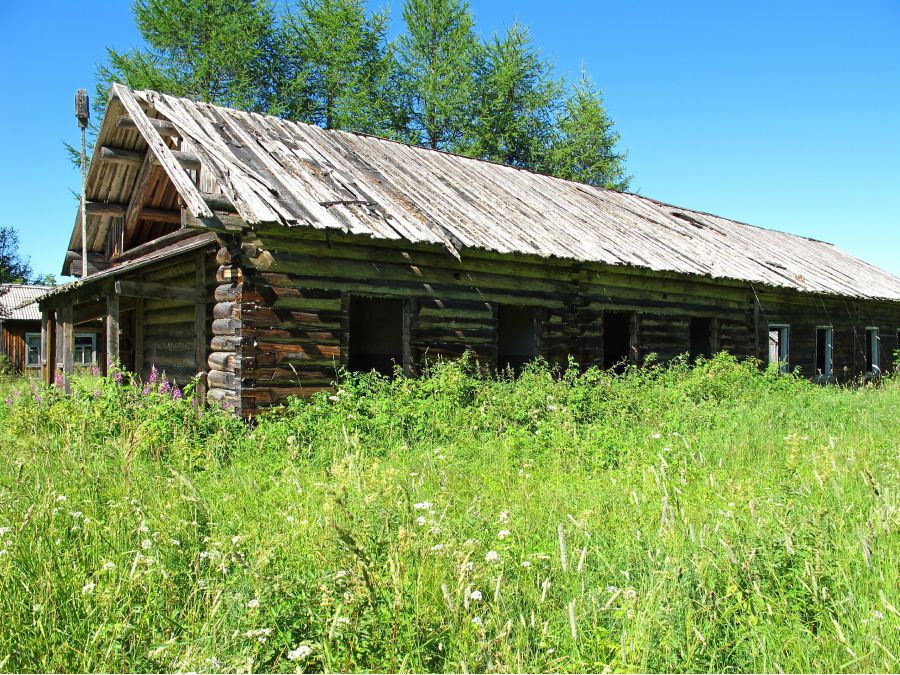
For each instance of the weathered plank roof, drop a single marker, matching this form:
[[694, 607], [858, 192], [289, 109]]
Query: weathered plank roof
[[301, 175], [19, 302]]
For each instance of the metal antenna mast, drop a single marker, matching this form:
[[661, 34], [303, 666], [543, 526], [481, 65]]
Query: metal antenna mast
[[83, 113]]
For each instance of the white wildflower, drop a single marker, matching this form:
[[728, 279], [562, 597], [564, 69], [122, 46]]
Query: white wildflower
[[174, 542], [235, 539], [492, 557], [476, 596], [423, 506], [37, 609], [476, 620], [437, 547], [4, 530], [3, 552], [76, 514], [503, 534], [143, 527], [657, 436], [876, 614], [88, 588], [503, 517], [291, 519], [109, 565], [301, 653], [60, 498], [146, 544], [253, 604], [258, 633], [526, 563], [420, 521]]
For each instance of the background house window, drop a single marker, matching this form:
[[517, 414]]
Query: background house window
[[32, 350], [85, 349], [516, 336], [376, 334], [873, 343], [779, 336], [824, 351]]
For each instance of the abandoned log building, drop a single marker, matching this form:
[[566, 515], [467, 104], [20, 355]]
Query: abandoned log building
[[265, 254]]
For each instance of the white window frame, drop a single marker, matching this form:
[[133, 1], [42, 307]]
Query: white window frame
[[874, 343], [28, 364], [784, 340], [93, 361], [829, 352]]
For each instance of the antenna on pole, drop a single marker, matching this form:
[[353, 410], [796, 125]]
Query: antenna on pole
[[83, 113]]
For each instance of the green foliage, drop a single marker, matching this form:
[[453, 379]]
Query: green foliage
[[341, 67], [584, 149], [675, 518], [14, 269], [517, 100], [218, 51], [437, 59]]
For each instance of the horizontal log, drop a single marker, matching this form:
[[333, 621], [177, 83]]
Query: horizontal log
[[187, 160], [220, 221], [218, 379], [157, 291], [115, 210], [218, 202], [163, 128]]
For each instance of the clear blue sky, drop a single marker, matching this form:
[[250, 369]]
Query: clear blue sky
[[784, 114]]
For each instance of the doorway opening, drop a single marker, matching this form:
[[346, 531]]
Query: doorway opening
[[702, 340], [619, 339], [376, 334], [516, 337]]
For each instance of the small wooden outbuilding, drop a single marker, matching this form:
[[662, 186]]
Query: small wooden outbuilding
[[265, 254]]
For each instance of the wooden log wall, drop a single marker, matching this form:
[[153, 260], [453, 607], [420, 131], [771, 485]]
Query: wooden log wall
[[281, 320], [166, 333], [12, 342]]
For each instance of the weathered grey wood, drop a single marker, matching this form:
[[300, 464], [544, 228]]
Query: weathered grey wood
[[112, 331], [48, 345], [201, 339], [163, 128], [218, 202], [157, 291], [105, 209], [187, 160], [217, 222], [186, 188], [139, 336], [68, 346]]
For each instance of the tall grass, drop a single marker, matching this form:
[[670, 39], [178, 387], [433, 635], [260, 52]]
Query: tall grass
[[669, 519]]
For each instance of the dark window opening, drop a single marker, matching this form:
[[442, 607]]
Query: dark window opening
[[516, 337], [873, 361], [778, 346], [824, 351], [376, 334], [701, 338], [617, 339]]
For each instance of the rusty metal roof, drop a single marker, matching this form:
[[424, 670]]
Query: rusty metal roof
[[296, 174], [19, 302]]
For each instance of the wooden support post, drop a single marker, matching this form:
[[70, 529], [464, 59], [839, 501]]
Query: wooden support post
[[408, 313], [67, 329], [50, 353], [46, 322], [139, 337], [201, 340], [112, 331]]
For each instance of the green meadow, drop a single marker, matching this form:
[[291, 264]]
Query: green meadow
[[671, 518]]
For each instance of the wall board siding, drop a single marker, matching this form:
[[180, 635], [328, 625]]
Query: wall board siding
[[280, 320]]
